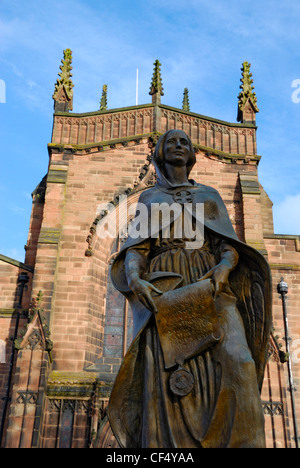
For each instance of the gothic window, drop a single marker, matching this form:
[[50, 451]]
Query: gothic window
[[118, 319]]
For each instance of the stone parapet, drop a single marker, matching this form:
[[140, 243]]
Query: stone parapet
[[83, 129]]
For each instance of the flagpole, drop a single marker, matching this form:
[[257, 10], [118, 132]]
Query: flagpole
[[137, 87]]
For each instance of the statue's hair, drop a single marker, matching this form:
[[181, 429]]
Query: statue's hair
[[159, 155]]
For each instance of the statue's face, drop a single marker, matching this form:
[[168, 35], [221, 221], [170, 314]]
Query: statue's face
[[176, 148]]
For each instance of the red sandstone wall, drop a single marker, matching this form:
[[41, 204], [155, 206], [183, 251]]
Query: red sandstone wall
[[34, 230], [284, 259], [7, 326], [75, 285], [8, 285], [9, 300]]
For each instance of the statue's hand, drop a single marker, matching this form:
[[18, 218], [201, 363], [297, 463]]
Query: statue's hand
[[142, 289], [219, 275]]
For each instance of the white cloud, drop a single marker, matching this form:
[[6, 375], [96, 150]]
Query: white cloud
[[287, 215]]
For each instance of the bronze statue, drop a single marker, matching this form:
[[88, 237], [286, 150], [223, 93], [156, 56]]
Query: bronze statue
[[202, 317]]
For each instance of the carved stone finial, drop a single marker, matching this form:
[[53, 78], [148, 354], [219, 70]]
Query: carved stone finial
[[36, 333], [63, 92], [103, 102], [186, 102], [156, 88], [247, 105]]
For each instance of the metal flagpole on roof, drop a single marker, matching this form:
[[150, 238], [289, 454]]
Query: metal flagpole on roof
[[137, 87]]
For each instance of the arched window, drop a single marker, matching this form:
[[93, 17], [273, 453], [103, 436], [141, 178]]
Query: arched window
[[118, 320]]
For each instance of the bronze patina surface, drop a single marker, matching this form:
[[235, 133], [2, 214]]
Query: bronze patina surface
[[202, 318]]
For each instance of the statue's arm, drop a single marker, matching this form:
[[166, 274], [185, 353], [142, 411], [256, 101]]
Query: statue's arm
[[228, 260], [136, 265], [229, 257]]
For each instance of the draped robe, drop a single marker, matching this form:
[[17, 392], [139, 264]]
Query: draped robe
[[223, 409]]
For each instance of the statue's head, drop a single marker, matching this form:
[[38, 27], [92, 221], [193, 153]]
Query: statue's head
[[165, 143]]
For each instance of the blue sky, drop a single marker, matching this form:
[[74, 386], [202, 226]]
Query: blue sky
[[201, 45]]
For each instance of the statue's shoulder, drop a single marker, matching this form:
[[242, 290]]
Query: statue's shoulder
[[206, 188], [148, 193], [210, 194]]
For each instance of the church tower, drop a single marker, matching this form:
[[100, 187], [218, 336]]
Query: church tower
[[73, 327]]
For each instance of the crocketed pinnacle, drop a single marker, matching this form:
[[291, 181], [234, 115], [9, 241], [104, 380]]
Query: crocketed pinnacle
[[63, 92], [156, 88], [103, 102], [186, 102], [247, 91]]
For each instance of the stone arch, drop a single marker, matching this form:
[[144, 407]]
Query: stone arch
[[116, 312], [118, 318], [100, 249]]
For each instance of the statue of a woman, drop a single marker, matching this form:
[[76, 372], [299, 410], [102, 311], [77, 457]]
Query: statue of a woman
[[209, 395]]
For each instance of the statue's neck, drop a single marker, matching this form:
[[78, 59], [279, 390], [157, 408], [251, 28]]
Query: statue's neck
[[176, 175]]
